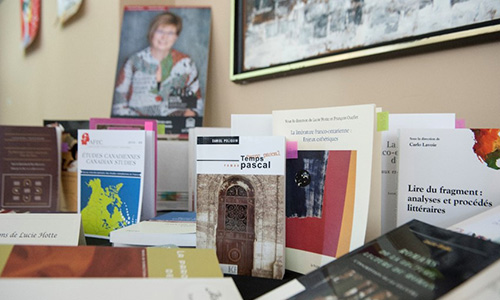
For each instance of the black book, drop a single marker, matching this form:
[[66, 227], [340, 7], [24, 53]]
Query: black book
[[414, 261]]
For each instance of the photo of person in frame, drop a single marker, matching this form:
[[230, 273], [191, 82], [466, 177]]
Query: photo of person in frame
[[156, 77]]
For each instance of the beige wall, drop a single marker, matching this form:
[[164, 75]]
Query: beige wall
[[69, 74]]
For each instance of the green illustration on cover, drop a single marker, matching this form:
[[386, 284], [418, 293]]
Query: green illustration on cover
[[109, 203]]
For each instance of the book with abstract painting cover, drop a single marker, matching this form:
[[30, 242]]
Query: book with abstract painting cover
[[329, 182], [447, 175], [320, 200], [240, 208]]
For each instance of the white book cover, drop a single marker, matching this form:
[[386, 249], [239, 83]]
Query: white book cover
[[62, 229], [194, 133], [111, 174], [390, 155], [240, 208], [172, 185], [485, 225], [155, 234], [447, 175], [122, 288], [328, 183], [252, 124]]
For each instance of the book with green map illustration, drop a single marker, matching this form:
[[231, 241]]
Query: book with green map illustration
[[111, 172]]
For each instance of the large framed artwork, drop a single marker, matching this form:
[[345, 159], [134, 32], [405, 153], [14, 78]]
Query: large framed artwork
[[162, 66], [277, 37]]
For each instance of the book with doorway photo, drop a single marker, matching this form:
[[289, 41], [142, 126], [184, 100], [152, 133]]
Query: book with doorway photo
[[240, 208]]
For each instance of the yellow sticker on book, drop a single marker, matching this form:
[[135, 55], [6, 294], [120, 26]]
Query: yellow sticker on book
[[383, 121]]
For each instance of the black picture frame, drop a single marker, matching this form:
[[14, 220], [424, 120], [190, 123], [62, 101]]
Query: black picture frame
[[266, 33]]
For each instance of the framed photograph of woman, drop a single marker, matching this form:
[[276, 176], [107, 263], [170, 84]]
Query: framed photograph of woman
[[162, 65]]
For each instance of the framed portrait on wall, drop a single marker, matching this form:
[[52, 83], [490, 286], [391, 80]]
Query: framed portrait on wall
[[278, 37], [162, 66]]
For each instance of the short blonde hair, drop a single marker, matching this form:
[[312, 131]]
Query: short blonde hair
[[167, 18]]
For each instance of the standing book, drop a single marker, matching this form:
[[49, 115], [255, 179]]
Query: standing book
[[69, 149], [329, 181], [172, 183], [194, 133], [151, 128], [30, 168], [111, 179], [390, 155], [241, 203], [457, 175]]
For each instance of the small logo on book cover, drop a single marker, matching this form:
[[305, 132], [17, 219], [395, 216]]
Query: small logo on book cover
[[85, 138]]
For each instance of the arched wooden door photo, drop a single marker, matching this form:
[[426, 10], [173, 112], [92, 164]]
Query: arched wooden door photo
[[235, 225]]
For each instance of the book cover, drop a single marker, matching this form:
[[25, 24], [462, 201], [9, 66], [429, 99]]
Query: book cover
[[173, 228], [162, 65], [99, 261], [110, 179], [123, 288], [172, 184], [414, 261], [61, 229], [69, 161], [151, 164], [390, 155], [155, 234], [456, 176], [320, 199], [30, 168], [485, 285], [194, 133], [485, 225], [328, 183], [241, 203]]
